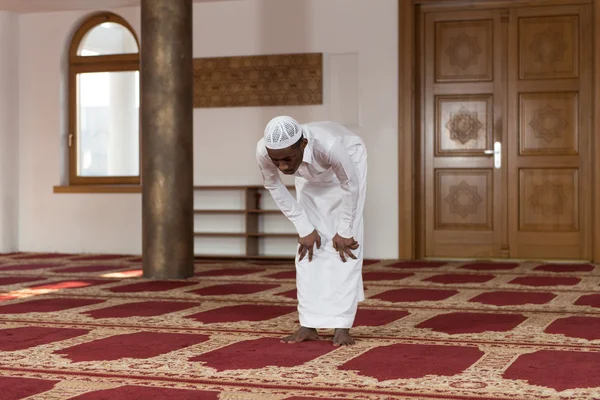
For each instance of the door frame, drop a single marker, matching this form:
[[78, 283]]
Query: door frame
[[410, 150]]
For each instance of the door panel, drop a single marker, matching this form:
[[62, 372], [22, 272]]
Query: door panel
[[549, 123], [549, 139], [462, 104], [464, 48], [520, 76]]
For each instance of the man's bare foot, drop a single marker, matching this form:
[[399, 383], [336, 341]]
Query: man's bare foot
[[342, 337], [301, 335]]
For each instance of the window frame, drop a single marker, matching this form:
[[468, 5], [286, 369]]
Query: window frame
[[100, 63]]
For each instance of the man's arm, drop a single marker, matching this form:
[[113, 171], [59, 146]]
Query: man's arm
[[344, 169], [284, 200]]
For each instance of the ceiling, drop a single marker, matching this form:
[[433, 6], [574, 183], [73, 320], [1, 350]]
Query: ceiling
[[39, 6]]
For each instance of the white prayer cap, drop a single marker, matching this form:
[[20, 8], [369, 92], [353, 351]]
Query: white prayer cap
[[282, 132]]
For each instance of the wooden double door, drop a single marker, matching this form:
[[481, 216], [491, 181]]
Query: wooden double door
[[505, 126]]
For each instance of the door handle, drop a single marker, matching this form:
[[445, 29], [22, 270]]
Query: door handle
[[497, 152]]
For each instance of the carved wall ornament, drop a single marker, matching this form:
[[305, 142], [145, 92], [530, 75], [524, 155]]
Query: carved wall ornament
[[548, 199], [463, 50], [464, 126], [269, 80], [548, 123], [463, 199], [548, 47]]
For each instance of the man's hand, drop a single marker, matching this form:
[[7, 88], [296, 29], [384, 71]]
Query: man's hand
[[307, 244], [344, 245]]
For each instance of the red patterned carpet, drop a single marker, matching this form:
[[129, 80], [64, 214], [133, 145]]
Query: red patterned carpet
[[89, 328]]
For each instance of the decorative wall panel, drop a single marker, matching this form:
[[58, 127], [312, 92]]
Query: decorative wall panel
[[267, 80]]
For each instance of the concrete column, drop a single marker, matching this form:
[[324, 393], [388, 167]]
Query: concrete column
[[167, 139]]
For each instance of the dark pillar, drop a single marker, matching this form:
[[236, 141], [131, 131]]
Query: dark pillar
[[167, 139]]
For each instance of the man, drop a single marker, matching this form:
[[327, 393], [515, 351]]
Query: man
[[329, 163]]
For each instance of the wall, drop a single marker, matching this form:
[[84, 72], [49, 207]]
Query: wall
[[102, 223], [360, 51], [9, 52]]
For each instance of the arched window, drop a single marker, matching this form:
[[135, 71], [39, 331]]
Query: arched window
[[104, 101]]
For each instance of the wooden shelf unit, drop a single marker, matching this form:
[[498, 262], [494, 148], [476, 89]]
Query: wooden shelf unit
[[251, 214]]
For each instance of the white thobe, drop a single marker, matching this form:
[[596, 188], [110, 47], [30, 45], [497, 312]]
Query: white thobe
[[331, 185]]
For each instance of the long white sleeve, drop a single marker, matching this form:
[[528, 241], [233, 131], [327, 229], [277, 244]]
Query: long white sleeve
[[281, 195], [344, 169]]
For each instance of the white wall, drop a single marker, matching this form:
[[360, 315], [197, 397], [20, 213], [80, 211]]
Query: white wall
[[104, 223], [9, 93], [360, 51]]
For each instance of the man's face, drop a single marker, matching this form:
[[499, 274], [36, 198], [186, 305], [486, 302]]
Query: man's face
[[288, 160]]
